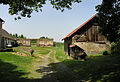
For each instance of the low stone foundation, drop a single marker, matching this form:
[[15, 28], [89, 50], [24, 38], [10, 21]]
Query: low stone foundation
[[93, 47]]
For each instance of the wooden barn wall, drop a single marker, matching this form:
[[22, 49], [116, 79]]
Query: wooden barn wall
[[90, 32], [67, 42], [0, 42]]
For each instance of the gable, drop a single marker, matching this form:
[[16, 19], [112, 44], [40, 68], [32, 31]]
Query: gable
[[79, 28]]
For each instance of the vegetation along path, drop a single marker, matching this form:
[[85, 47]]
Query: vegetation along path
[[44, 66], [41, 68], [47, 68]]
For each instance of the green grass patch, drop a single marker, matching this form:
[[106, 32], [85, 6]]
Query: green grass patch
[[37, 50], [13, 67], [58, 44], [22, 62], [52, 56], [41, 50], [60, 54], [20, 49]]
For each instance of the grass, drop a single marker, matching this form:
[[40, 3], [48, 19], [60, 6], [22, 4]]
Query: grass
[[13, 67], [97, 68], [37, 50], [60, 54], [21, 61], [51, 58], [25, 50]]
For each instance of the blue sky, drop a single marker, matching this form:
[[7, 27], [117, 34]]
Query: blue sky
[[50, 22]]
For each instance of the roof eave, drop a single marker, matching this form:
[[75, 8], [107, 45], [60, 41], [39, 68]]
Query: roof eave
[[79, 27]]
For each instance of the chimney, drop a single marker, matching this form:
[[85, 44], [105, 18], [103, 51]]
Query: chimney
[[1, 22]]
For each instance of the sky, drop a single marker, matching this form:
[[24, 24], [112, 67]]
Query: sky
[[50, 22]]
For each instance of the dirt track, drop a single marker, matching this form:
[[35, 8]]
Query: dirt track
[[44, 71]]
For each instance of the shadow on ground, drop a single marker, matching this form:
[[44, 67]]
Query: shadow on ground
[[103, 69], [98, 68], [7, 73]]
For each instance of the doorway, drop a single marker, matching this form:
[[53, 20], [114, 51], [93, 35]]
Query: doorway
[[68, 49]]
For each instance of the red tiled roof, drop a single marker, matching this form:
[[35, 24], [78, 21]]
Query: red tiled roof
[[79, 27]]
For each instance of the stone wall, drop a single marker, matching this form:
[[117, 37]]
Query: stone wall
[[39, 42], [93, 47], [24, 42], [45, 42]]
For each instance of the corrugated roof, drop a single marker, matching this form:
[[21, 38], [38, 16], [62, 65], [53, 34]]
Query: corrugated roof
[[79, 27], [5, 34]]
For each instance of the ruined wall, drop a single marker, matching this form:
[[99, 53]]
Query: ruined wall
[[45, 42], [92, 47], [40, 42], [24, 42]]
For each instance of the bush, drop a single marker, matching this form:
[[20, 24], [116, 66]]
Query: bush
[[115, 48], [58, 44], [106, 52]]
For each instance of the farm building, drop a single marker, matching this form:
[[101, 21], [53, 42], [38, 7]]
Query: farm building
[[85, 38], [6, 39]]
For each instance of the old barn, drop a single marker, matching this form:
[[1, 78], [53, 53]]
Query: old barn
[[6, 40], [85, 38]]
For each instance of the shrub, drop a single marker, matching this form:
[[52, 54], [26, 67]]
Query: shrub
[[106, 52], [58, 44], [115, 48]]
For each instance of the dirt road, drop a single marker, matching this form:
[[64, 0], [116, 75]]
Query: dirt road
[[45, 71]]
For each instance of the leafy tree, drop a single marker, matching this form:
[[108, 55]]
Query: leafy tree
[[16, 35], [109, 18], [21, 36], [42, 37], [24, 8]]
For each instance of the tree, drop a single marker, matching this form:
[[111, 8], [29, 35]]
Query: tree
[[24, 8], [16, 35], [42, 37], [21, 36], [109, 19]]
